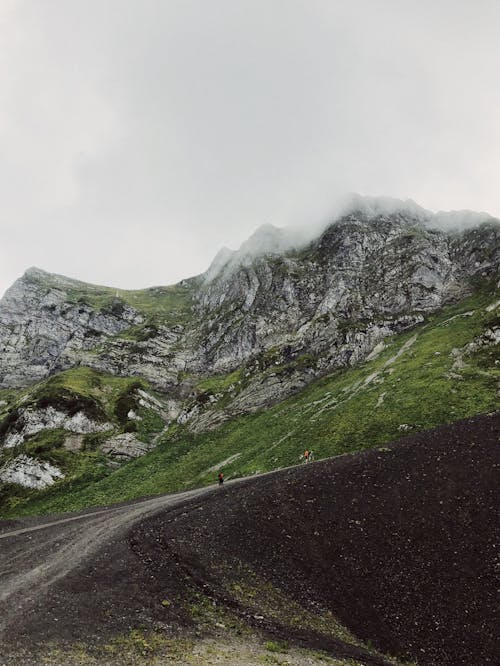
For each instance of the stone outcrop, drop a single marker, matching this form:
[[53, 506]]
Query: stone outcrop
[[30, 472], [279, 311], [30, 421], [40, 323], [124, 447], [360, 272]]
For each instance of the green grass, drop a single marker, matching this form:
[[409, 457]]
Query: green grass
[[86, 467], [169, 305], [274, 646], [220, 383], [102, 397], [340, 413]]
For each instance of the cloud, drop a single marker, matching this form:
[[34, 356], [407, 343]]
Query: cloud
[[274, 241], [137, 138]]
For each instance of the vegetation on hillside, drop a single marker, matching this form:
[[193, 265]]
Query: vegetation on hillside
[[104, 398], [423, 378], [169, 305]]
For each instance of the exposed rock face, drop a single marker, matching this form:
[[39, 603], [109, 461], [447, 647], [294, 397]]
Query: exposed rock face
[[124, 447], [381, 272], [39, 324], [73, 443], [490, 338], [308, 309], [333, 301], [30, 421], [30, 472], [159, 359]]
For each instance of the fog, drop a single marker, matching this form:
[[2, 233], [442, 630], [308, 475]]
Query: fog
[[137, 138], [271, 240]]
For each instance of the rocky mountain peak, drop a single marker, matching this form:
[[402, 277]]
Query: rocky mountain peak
[[35, 273], [333, 294], [355, 212], [263, 322], [267, 240]]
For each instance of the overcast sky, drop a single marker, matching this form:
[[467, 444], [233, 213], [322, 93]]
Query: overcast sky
[[137, 137]]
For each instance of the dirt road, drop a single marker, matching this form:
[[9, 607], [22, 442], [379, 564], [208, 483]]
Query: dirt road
[[34, 556], [397, 545]]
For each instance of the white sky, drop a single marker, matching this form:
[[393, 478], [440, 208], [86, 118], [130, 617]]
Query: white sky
[[137, 137]]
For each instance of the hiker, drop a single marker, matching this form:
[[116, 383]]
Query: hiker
[[311, 456], [221, 478], [306, 455]]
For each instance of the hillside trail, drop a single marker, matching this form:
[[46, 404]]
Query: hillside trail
[[37, 552], [33, 557], [41, 550]]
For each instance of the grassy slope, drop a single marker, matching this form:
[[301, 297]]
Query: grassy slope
[[109, 397], [170, 305], [334, 415]]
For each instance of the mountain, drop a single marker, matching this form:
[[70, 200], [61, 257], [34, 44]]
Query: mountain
[[92, 377]]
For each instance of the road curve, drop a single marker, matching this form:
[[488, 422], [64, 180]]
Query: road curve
[[34, 557]]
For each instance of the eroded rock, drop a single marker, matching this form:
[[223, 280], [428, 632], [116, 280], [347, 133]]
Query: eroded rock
[[125, 447], [31, 421], [367, 276], [30, 472]]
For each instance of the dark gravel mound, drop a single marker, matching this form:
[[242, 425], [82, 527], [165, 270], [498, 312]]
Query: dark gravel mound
[[400, 544]]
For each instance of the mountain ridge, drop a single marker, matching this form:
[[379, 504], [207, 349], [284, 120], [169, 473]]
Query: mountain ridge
[[438, 267], [298, 236], [115, 372]]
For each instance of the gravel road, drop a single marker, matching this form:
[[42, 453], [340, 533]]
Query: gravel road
[[34, 556], [399, 544]]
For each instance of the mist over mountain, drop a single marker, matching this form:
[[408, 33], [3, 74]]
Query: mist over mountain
[[249, 409], [271, 240], [331, 293]]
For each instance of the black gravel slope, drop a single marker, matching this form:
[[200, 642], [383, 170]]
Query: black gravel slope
[[401, 544]]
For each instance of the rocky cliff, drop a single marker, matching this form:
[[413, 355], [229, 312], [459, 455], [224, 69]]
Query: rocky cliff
[[366, 276], [259, 325]]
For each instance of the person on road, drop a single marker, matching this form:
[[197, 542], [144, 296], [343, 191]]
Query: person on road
[[221, 478], [311, 456], [306, 455]]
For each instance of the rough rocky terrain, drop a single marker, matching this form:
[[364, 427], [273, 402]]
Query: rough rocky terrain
[[260, 325], [323, 306], [395, 548]]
